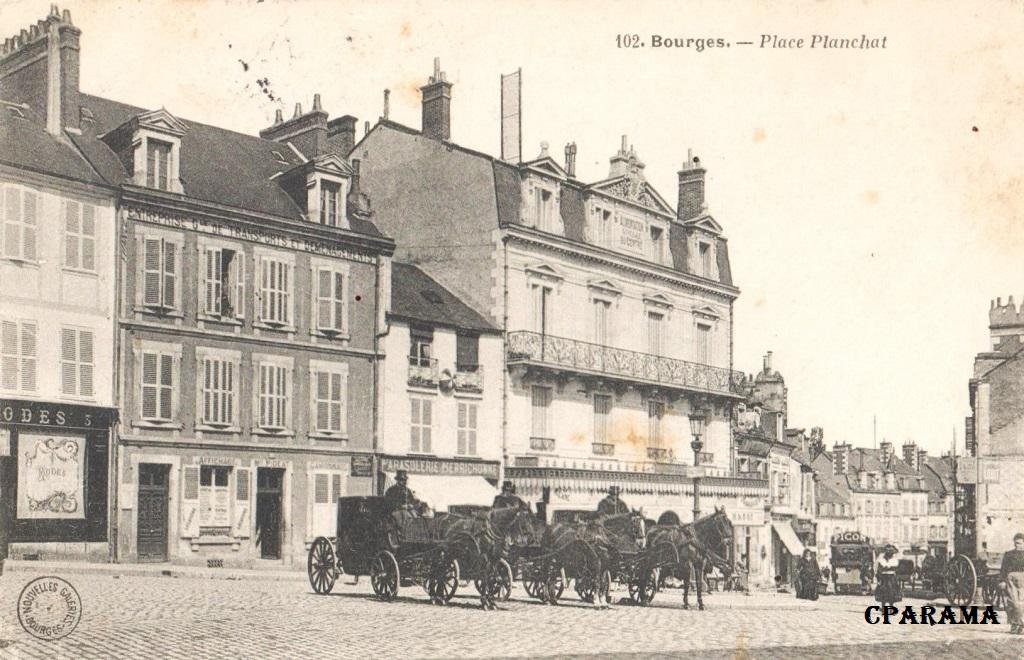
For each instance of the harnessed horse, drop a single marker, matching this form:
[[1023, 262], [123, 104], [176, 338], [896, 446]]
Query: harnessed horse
[[481, 541], [706, 542]]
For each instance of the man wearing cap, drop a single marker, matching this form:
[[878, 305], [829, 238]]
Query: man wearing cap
[[399, 495], [612, 505], [508, 497], [1012, 575]]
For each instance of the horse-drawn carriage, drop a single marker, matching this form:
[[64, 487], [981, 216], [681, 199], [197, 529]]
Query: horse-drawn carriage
[[398, 548], [852, 562], [963, 575]]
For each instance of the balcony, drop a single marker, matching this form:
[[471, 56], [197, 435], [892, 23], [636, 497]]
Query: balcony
[[603, 449], [542, 444], [469, 378], [526, 347], [657, 454], [422, 372]]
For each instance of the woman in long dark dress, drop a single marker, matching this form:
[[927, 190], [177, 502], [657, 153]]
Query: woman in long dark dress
[[810, 575], [887, 592]]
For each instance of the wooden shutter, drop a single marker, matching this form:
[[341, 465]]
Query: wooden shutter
[[462, 425], [337, 402], [10, 359], [166, 386], [169, 270], [88, 237], [243, 502], [472, 429], [339, 302], [153, 247], [323, 395], [238, 267], [323, 298], [72, 232], [68, 361], [28, 356], [190, 501], [29, 230], [210, 303], [150, 385]]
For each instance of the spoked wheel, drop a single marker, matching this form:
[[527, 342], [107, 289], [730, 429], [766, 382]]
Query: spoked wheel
[[321, 566], [501, 589], [555, 585], [442, 587], [384, 575], [532, 585], [993, 595], [643, 586], [961, 581]]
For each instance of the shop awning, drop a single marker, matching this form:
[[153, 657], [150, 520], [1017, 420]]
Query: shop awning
[[788, 537], [443, 491]]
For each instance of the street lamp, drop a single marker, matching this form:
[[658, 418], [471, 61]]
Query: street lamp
[[697, 421]]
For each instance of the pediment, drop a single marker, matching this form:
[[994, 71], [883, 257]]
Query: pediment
[[605, 286], [705, 222], [636, 190], [658, 300], [545, 271], [332, 164], [547, 166], [706, 312], [161, 121]]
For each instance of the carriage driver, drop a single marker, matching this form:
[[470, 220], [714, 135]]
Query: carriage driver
[[612, 504], [399, 495], [508, 497]]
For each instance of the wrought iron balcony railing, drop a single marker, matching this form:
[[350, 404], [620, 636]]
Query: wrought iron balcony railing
[[542, 444], [604, 449], [526, 346], [422, 372], [469, 378]]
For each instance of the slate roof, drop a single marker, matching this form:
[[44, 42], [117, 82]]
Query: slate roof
[[752, 445], [415, 296], [25, 144], [217, 165], [832, 490]]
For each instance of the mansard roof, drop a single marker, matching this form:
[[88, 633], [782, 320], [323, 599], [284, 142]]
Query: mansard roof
[[25, 144], [415, 296]]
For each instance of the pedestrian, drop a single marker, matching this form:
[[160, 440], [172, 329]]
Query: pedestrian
[[887, 592], [1012, 576], [808, 576]]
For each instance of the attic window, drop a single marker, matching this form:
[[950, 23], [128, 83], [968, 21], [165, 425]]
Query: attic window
[[158, 164], [705, 259]]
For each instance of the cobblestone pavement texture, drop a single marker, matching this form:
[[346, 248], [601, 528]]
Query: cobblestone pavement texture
[[131, 616]]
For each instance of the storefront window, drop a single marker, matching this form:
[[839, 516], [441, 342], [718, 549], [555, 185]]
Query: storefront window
[[214, 497]]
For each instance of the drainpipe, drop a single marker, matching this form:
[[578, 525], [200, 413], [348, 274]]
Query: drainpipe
[[504, 356], [113, 446], [378, 393]]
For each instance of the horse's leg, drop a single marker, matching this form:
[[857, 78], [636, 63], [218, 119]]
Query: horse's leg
[[687, 569], [700, 584]]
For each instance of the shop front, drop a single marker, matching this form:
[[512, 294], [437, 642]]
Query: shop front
[[54, 466], [230, 508], [442, 482]]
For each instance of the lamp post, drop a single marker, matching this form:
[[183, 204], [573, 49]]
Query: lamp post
[[697, 429]]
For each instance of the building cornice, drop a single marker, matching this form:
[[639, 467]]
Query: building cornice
[[562, 245]]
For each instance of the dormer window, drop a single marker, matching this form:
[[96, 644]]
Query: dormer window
[[657, 244], [158, 164], [705, 259], [330, 203], [544, 206]]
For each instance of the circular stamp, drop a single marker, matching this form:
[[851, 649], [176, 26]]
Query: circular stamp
[[49, 608]]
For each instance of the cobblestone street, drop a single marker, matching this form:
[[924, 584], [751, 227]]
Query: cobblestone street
[[218, 618]]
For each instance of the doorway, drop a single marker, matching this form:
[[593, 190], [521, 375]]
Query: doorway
[[152, 519], [269, 511]]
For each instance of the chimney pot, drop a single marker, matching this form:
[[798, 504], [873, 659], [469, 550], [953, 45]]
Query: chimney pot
[[54, 11], [298, 110], [316, 103], [278, 116], [67, 16], [387, 103]]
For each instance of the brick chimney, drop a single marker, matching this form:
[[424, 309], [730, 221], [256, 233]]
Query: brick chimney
[[910, 456], [39, 66], [1006, 325], [570, 160], [437, 105], [886, 452], [306, 132], [691, 188], [341, 135], [840, 458], [922, 454]]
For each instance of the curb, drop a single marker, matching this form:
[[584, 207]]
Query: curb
[[136, 570]]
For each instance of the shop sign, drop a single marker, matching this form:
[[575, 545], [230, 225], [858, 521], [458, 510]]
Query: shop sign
[[51, 476], [426, 466], [362, 466], [271, 463], [213, 460], [631, 234], [36, 413]]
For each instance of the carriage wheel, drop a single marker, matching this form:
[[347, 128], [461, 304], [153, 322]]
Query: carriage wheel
[[992, 595], [532, 586], [643, 586], [384, 575], [961, 581], [322, 566], [449, 581], [555, 582], [501, 588]]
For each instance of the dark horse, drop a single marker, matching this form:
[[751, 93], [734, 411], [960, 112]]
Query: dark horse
[[479, 542], [589, 551], [699, 545]]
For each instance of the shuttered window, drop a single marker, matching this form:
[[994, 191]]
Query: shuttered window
[[275, 291], [330, 300], [80, 236], [329, 401], [76, 362], [421, 424], [655, 323], [158, 164], [655, 414], [18, 353], [467, 428], [214, 496], [601, 309], [159, 276], [218, 391], [541, 406], [602, 417], [273, 396], [330, 204], [223, 276], [326, 489], [157, 386], [703, 343], [20, 207]]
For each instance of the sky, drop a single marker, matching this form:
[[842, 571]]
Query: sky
[[873, 199]]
